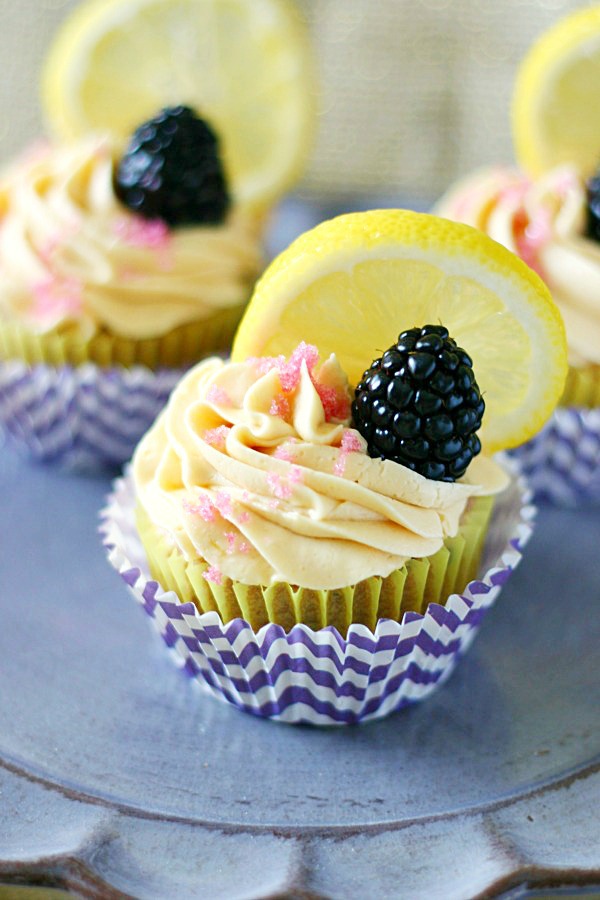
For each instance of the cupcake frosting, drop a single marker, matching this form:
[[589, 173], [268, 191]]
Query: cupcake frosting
[[73, 259], [253, 468], [542, 221]]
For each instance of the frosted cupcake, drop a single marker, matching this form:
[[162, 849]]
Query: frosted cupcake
[[117, 271], [319, 533], [551, 222], [126, 258], [139, 258]]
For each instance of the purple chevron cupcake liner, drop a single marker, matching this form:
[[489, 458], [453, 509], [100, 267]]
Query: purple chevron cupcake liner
[[562, 462], [319, 677], [82, 417]]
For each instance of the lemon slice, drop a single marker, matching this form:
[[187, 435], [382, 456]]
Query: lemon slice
[[556, 101], [352, 284], [243, 64]]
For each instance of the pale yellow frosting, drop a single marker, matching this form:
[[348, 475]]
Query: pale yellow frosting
[[542, 221], [271, 485], [74, 259]]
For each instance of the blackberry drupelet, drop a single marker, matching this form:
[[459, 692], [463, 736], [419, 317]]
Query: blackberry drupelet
[[593, 207], [419, 405], [172, 170]]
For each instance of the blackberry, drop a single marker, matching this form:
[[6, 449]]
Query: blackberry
[[419, 405], [593, 208], [172, 170]]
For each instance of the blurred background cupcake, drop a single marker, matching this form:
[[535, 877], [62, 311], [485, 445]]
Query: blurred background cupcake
[[309, 496], [130, 241], [548, 212]]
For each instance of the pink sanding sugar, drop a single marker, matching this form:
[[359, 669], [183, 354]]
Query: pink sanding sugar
[[336, 404], [278, 486], [203, 506], [216, 394], [213, 574], [140, 232], [57, 297], [280, 407], [222, 503], [217, 437], [284, 452], [350, 443]]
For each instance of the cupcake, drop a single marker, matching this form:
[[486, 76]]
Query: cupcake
[[317, 537], [548, 212], [124, 259]]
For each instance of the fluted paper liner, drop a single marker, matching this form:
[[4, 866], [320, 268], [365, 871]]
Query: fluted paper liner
[[82, 417], [317, 676], [182, 346], [409, 589], [562, 462], [582, 387]]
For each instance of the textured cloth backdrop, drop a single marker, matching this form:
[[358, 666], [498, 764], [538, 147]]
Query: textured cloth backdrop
[[413, 92]]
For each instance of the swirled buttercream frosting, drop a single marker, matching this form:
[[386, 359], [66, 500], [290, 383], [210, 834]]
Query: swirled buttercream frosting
[[253, 467], [72, 259], [543, 222]]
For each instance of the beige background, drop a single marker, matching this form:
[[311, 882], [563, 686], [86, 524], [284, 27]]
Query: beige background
[[414, 92]]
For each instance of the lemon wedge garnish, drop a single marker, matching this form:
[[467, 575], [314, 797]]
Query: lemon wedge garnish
[[556, 100]]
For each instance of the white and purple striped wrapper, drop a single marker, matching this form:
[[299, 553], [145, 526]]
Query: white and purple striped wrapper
[[82, 417], [318, 677], [562, 462]]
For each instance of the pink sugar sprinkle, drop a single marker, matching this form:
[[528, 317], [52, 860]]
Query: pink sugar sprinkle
[[213, 574], [244, 517], [296, 474], [244, 547], [289, 370], [217, 437], [350, 444], [280, 407], [279, 487], [217, 395], [264, 364], [530, 236], [140, 232], [230, 538], [222, 502], [284, 452], [336, 404], [289, 374], [273, 504], [203, 507], [57, 297]]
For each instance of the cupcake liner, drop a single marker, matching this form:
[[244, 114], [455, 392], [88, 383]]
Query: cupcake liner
[[181, 346], [582, 387], [562, 462], [85, 417], [319, 677], [408, 589]]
